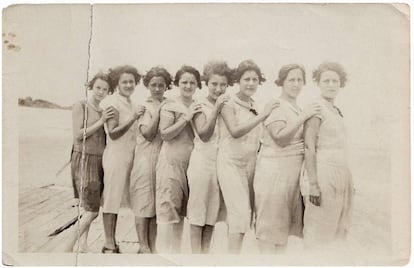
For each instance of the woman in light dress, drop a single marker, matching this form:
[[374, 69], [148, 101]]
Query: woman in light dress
[[119, 152], [142, 180], [88, 176], [278, 202], [171, 182], [205, 196], [328, 187], [239, 142]]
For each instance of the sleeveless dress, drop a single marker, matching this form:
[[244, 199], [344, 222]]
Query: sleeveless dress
[[118, 155], [91, 186], [171, 175], [142, 180], [278, 201], [332, 218], [205, 197], [236, 162]]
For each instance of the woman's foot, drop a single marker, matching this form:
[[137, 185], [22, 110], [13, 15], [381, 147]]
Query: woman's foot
[[144, 250]]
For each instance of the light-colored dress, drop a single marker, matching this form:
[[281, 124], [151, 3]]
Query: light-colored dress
[[236, 162], [278, 202], [205, 196], [171, 175], [332, 218], [118, 155], [142, 180]]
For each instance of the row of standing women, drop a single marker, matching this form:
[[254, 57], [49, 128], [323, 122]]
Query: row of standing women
[[282, 171]]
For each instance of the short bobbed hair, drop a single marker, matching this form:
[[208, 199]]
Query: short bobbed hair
[[102, 76], [158, 71], [116, 73], [187, 69], [217, 68], [284, 72], [330, 66], [247, 65]]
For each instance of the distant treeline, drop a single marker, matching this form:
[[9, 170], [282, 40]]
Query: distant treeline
[[39, 103]]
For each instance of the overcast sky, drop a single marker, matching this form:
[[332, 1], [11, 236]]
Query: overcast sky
[[371, 41]]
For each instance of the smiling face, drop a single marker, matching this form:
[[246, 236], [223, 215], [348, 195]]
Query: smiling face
[[126, 84], [217, 85], [329, 83], [187, 85], [157, 87], [100, 89], [249, 82], [293, 83]]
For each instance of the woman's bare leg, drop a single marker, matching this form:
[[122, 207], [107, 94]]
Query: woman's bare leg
[[177, 236], [206, 238], [141, 225], [152, 234], [196, 233], [109, 223], [235, 243]]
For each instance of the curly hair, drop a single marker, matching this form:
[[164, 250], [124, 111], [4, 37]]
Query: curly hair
[[102, 76], [160, 72], [330, 66], [187, 69], [219, 68], [284, 72], [248, 65], [115, 74]]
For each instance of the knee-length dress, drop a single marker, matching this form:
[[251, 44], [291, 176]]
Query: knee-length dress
[[171, 175], [278, 201], [236, 162], [90, 183], [332, 218], [118, 155], [142, 180], [205, 197]]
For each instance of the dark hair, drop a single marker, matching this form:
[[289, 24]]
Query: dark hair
[[247, 65], [187, 69], [158, 71], [219, 68], [104, 77], [284, 72], [330, 66], [116, 73]]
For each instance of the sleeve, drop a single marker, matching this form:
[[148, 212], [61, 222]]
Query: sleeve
[[108, 102], [277, 114], [167, 113], [145, 119]]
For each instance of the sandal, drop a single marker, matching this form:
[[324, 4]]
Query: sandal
[[110, 250]]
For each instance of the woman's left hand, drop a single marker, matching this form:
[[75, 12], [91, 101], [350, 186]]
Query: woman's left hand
[[315, 194]]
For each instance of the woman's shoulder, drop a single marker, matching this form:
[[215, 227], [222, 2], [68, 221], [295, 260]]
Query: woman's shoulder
[[109, 101]]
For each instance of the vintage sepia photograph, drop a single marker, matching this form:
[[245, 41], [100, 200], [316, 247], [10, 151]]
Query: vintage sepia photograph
[[206, 134]]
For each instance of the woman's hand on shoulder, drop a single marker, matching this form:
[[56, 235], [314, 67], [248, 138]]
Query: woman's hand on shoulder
[[270, 106], [221, 100], [107, 114], [194, 108], [139, 111], [311, 110]]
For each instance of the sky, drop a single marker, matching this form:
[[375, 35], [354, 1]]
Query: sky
[[371, 41]]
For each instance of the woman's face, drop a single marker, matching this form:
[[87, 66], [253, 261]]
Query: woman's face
[[157, 87], [187, 85], [249, 82], [126, 84], [329, 83], [100, 89], [293, 83], [217, 85]]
